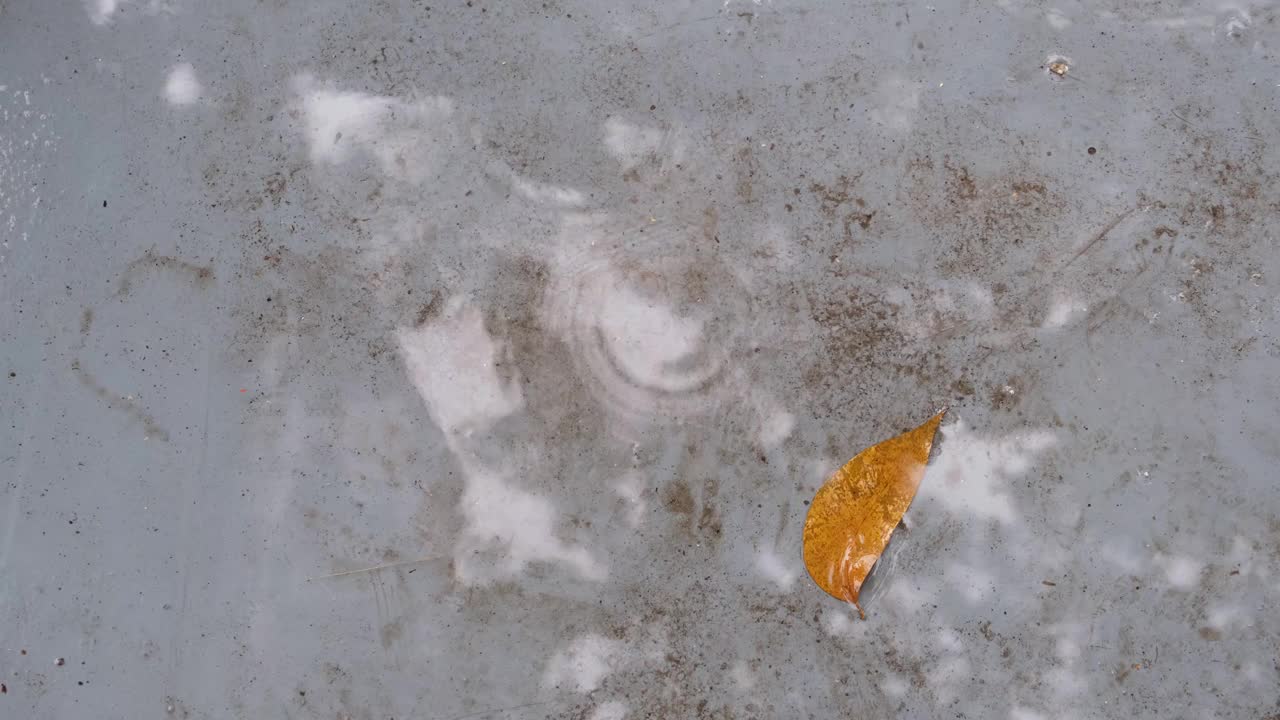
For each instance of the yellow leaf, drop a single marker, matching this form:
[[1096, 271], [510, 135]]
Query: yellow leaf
[[855, 512]]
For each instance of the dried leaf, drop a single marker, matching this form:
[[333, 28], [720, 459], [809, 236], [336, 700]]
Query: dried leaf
[[855, 512]]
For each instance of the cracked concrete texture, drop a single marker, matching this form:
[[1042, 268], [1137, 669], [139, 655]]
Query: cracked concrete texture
[[563, 311]]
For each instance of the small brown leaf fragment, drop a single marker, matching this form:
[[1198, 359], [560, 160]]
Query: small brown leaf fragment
[[855, 512], [1050, 584]]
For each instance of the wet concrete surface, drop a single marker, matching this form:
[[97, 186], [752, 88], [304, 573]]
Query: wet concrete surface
[[563, 311]]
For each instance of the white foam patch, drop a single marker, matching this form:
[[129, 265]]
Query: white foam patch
[[588, 660], [776, 428], [837, 622], [743, 679], [973, 583], [452, 363], [409, 140], [630, 487], [973, 470], [610, 710], [894, 686], [1182, 571], [519, 525], [775, 570], [949, 678], [182, 87], [100, 11], [631, 144], [546, 194], [648, 339], [1063, 311]]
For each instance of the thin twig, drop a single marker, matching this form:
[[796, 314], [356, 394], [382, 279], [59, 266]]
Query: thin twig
[[1197, 127], [375, 567], [1098, 238]]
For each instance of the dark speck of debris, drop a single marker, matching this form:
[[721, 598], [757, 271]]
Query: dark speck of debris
[[104, 203], [60, 662], [653, 107], [1093, 150], [4, 689], [23, 651], [13, 374], [1050, 584]]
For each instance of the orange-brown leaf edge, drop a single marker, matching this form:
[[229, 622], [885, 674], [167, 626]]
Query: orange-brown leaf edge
[[854, 513]]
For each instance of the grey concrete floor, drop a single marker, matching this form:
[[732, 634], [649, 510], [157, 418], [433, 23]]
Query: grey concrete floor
[[564, 310]]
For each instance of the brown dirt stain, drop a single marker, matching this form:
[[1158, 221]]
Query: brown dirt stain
[[391, 632], [679, 498], [200, 275], [118, 402]]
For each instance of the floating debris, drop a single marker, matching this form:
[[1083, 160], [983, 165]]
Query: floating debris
[[855, 512]]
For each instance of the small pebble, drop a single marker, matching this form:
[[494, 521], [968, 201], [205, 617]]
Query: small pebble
[[60, 662]]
